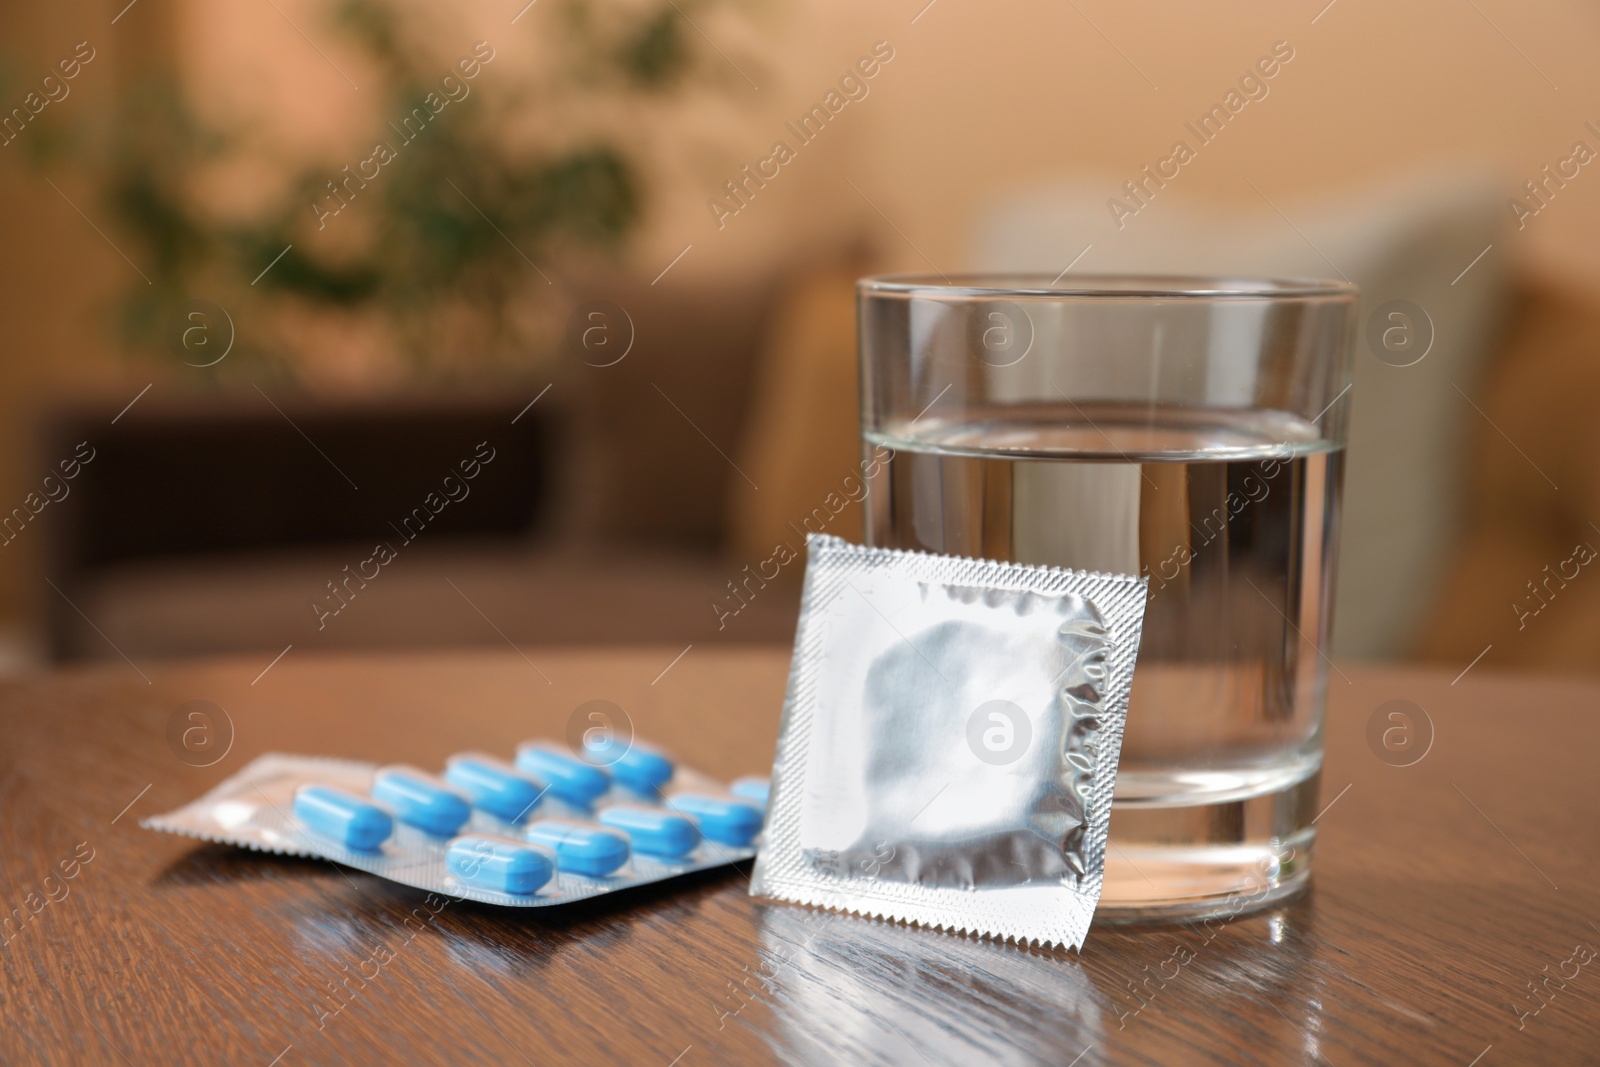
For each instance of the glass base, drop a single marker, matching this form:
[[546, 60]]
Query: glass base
[[1189, 862]]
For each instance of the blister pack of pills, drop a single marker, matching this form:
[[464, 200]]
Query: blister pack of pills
[[553, 827]]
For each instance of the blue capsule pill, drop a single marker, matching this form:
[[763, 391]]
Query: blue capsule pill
[[653, 832], [499, 863], [421, 800], [493, 786], [570, 778], [732, 822], [346, 818], [579, 847], [752, 788], [642, 769]]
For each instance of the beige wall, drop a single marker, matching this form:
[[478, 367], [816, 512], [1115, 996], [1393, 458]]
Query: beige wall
[[979, 98]]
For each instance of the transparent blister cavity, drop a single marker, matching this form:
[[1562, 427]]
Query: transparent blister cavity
[[950, 741]]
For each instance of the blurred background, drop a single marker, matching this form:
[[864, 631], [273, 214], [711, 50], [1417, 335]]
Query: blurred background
[[380, 324]]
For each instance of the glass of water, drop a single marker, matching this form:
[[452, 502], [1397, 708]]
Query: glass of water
[[1188, 430]]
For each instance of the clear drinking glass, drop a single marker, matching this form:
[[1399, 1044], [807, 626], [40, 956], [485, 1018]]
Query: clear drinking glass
[[1189, 430]]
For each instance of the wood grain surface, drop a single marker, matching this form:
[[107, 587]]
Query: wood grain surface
[[1445, 892]]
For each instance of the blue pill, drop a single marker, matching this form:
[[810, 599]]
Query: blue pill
[[493, 786], [579, 847], [570, 778], [499, 863], [421, 800], [732, 822], [348, 819], [653, 831], [642, 769], [752, 788]]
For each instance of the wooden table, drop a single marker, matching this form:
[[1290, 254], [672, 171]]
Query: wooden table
[[1443, 889]]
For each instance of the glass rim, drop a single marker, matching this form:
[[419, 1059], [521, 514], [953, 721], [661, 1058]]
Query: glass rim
[[1104, 287]]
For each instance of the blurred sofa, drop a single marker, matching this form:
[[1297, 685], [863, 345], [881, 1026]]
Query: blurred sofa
[[230, 522], [638, 492], [1522, 587]]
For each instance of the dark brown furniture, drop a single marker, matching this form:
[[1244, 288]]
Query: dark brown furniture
[[207, 491], [1443, 891]]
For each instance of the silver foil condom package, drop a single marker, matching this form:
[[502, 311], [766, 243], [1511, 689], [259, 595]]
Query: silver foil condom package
[[950, 740]]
